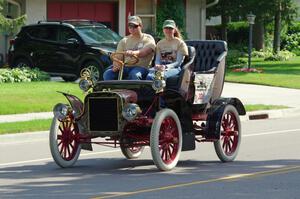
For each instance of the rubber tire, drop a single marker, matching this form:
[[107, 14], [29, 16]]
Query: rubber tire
[[69, 79], [96, 66], [129, 154], [154, 139], [22, 62], [54, 148], [218, 144]]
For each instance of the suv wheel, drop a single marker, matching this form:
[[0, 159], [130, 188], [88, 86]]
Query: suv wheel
[[22, 62], [69, 79], [94, 68]]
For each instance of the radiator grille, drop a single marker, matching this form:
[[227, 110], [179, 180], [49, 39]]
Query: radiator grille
[[103, 114]]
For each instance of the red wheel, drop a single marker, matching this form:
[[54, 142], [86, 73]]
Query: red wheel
[[230, 135], [132, 152], [64, 142], [166, 139]]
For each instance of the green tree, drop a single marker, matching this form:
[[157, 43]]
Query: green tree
[[284, 13], [277, 12], [226, 9]]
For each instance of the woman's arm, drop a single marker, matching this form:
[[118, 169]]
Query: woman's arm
[[177, 63]]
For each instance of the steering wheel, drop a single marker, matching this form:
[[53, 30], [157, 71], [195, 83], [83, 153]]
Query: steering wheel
[[125, 59]]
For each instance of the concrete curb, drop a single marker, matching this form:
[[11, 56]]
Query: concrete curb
[[271, 114]]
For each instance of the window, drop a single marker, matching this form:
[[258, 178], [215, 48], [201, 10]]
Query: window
[[146, 9], [98, 35], [13, 9], [66, 34], [44, 32]]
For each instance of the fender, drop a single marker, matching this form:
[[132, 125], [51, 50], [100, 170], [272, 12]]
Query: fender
[[77, 107], [232, 101], [215, 114], [76, 104], [183, 109]]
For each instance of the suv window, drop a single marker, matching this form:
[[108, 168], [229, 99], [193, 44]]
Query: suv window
[[96, 34], [67, 33], [43, 32]]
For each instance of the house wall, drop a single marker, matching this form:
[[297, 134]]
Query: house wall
[[36, 10], [195, 19]]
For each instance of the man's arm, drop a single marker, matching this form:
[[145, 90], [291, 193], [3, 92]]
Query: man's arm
[[140, 53]]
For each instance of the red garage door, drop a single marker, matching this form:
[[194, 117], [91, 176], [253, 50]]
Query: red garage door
[[104, 12]]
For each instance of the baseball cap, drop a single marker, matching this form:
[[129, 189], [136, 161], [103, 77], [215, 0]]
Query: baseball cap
[[134, 20], [169, 24]]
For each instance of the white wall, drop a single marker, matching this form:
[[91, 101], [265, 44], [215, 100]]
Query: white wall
[[36, 10], [195, 19], [122, 17]]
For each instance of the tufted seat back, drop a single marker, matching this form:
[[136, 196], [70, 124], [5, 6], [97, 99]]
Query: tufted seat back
[[207, 53]]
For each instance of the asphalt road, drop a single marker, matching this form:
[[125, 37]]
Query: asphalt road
[[268, 166]]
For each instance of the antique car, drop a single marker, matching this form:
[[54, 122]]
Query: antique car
[[169, 115]]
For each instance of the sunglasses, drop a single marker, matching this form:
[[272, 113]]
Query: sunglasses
[[133, 26], [168, 28]]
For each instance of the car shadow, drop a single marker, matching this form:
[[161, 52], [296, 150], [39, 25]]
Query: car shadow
[[91, 177]]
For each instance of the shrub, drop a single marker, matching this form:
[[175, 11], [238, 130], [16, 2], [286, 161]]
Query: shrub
[[234, 58], [291, 42], [283, 55], [262, 53], [22, 75], [237, 32]]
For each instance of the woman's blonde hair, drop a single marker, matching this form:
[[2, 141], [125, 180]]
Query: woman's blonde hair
[[177, 33]]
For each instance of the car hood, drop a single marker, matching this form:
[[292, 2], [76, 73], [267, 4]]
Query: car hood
[[110, 47]]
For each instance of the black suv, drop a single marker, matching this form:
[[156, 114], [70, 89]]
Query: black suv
[[63, 48]]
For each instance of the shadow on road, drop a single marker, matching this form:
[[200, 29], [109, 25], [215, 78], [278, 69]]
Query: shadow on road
[[106, 175]]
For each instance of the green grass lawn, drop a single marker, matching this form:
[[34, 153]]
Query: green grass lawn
[[34, 96], [275, 73]]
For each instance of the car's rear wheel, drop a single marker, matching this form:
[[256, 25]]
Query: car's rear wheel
[[22, 62], [132, 152], [64, 142], [95, 69], [227, 146], [166, 139]]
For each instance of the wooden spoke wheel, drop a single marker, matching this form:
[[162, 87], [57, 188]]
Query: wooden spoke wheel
[[230, 135], [64, 142], [166, 139]]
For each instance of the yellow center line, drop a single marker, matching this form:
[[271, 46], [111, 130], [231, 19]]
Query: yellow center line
[[227, 178]]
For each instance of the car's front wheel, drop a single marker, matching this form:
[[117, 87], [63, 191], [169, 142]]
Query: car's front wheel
[[94, 68], [64, 142]]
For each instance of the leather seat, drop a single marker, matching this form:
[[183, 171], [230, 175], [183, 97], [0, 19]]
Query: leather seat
[[210, 58]]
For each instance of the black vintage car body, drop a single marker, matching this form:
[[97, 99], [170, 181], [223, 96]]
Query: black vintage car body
[[169, 115]]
